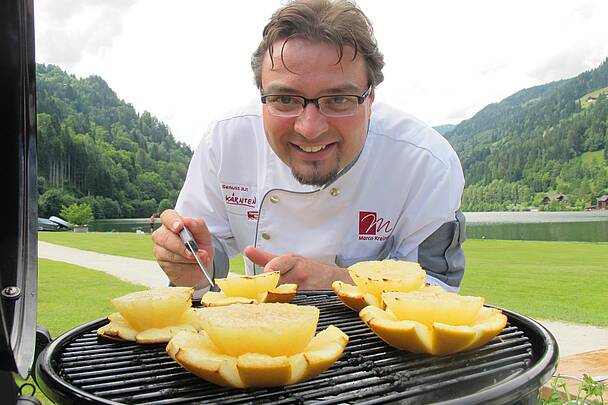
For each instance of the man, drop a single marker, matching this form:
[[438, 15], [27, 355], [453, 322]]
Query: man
[[152, 222], [316, 177]]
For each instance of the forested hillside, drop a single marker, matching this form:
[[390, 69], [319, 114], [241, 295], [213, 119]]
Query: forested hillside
[[95, 148], [539, 142]]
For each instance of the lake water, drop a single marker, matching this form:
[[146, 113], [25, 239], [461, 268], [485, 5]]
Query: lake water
[[587, 226]]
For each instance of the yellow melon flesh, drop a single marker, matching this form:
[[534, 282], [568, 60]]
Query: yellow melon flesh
[[378, 276], [218, 299], [154, 308], [120, 329], [352, 297], [273, 329], [198, 353], [282, 293], [430, 306], [254, 287], [416, 323], [200, 356]]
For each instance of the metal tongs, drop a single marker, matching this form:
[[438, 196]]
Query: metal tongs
[[190, 243]]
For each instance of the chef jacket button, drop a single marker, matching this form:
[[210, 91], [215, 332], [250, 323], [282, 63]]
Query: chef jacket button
[[334, 192], [265, 235], [274, 199]]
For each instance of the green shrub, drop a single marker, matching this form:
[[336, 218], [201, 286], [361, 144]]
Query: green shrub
[[78, 214], [53, 200]]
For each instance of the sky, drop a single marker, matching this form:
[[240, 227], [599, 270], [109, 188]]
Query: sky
[[188, 61]]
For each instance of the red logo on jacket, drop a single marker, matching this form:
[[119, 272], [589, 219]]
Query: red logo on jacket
[[373, 227]]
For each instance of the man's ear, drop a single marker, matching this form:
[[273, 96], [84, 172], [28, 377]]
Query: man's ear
[[371, 98]]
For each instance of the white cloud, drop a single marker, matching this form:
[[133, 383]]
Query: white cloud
[[187, 61], [68, 31]]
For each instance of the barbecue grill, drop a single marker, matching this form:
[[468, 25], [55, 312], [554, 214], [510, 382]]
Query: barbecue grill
[[79, 367]]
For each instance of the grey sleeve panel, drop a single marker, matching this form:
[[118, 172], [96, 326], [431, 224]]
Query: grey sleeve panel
[[221, 262], [441, 254]]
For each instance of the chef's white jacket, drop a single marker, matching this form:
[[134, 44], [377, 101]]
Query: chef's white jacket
[[405, 185]]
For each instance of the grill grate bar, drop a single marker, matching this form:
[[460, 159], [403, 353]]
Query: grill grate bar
[[139, 385], [394, 391], [92, 349], [96, 379], [111, 366], [83, 360]]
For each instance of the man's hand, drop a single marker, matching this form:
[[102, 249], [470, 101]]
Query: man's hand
[[306, 273], [172, 255]]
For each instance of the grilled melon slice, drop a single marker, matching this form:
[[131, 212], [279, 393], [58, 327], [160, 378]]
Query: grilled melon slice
[[218, 299], [151, 316], [372, 278], [429, 306], [433, 321], [249, 286], [273, 347], [250, 290], [272, 329], [282, 293]]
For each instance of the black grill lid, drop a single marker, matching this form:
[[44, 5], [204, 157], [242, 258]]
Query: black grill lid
[[79, 367], [18, 239]]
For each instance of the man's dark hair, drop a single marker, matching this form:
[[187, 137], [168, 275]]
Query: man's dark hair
[[338, 22]]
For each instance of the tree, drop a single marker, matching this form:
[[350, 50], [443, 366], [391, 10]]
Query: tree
[[78, 214], [164, 204], [51, 202], [90, 143]]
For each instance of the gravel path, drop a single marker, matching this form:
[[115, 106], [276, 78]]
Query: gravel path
[[571, 338]]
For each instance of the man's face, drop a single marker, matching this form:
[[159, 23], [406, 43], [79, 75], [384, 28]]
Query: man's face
[[313, 145]]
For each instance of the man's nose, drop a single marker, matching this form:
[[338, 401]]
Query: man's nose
[[311, 123]]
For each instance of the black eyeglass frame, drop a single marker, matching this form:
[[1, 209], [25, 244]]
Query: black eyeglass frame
[[315, 101]]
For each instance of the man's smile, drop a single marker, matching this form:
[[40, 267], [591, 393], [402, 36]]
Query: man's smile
[[312, 148], [313, 152]]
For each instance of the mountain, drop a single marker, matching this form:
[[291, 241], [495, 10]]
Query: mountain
[[95, 148], [444, 129], [538, 143]]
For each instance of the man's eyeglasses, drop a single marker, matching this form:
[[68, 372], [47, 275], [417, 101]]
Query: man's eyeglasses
[[338, 105]]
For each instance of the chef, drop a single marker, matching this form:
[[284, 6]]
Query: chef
[[316, 175]]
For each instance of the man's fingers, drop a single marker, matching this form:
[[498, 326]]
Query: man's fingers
[[258, 256], [182, 274], [171, 220], [199, 231], [172, 249], [167, 241], [282, 264]]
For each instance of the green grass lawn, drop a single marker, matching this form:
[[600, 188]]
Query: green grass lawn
[[138, 246], [69, 296], [564, 281]]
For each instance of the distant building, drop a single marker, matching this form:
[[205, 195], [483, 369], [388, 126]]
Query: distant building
[[591, 99], [602, 203], [554, 197]]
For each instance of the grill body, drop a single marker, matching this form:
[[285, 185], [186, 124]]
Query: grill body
[[78, 367]]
